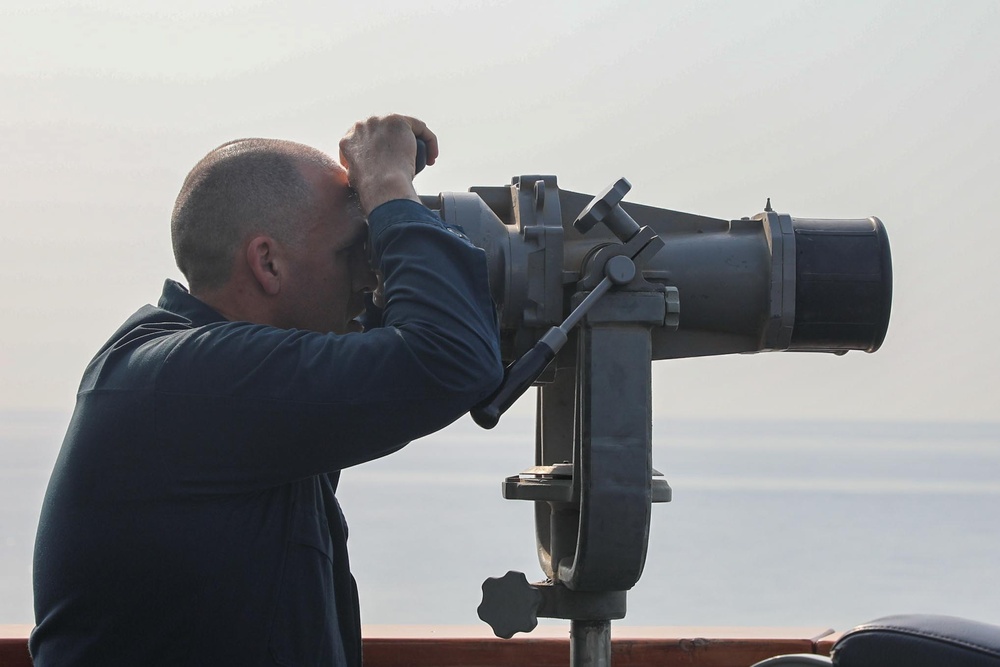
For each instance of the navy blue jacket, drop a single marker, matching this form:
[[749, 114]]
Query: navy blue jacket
[[191, 519]]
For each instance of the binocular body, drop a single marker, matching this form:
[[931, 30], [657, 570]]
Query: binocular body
[[770, 282], [590, 291]]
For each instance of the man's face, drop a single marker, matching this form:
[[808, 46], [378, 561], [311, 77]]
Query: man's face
[[329, 274]]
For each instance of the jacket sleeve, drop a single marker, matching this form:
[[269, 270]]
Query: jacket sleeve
[[241, 405]]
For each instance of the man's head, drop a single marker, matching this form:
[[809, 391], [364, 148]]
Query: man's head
[[267, 231]]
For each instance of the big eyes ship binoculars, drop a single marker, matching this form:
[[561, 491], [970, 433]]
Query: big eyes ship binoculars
[[591, 290]]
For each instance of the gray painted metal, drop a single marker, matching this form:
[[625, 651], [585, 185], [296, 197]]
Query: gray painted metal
[[511, 605], [623, 282], [593, 480], [590, 644], [736, 277], [781, 317]]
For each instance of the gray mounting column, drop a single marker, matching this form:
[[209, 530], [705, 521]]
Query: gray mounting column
[[593, 480], [590, 643]]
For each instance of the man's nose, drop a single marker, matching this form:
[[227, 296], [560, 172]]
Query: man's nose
[[365, 279]]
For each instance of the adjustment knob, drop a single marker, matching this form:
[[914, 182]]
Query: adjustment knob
[[421, 160], [606, 208], [510, 604]]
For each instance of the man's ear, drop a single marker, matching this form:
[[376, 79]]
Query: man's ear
[[262, 260]]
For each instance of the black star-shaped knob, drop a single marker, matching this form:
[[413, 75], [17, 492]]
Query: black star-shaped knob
[[510, 604]]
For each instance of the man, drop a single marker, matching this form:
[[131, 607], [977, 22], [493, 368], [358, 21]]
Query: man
[[191, 517]]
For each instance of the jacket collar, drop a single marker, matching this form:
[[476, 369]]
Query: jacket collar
[[176, 299]]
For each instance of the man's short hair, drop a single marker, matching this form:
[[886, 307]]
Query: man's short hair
[[243, 187]]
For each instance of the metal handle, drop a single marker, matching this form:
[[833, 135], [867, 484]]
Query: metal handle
[[421, 156], [521, 374]]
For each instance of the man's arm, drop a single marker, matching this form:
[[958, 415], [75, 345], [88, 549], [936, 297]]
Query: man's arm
[[299, 403]]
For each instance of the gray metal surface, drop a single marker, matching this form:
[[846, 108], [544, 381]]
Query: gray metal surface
[[592, 482], [616, 285], [737, 278], [590, 644]]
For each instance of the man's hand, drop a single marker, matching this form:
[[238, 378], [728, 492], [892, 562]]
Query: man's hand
[[379, 155]]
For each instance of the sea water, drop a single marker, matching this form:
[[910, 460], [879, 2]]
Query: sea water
[[809, 523]]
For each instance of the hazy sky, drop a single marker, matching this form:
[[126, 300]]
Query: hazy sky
[[839, 109]]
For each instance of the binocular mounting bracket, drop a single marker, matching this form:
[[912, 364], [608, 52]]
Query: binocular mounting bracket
[[593, 482]]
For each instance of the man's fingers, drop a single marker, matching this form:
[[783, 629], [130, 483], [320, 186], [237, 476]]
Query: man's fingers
[[379, 155], [363, 131]]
